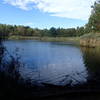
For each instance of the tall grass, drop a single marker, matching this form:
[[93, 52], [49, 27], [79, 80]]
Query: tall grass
[[12, 85]]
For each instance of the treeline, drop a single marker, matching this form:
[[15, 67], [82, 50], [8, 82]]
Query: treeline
[[93, 25], [94, 20], [9, 30]]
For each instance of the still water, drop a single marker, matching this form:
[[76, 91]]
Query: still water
[[55, 63]]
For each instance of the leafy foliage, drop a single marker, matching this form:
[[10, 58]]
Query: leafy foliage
[[94, 20]]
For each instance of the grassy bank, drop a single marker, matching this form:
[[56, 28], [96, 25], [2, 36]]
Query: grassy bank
[[90, 40], [87, 40], [47, 39]]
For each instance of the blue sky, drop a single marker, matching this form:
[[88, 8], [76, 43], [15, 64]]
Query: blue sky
[[45, 14]]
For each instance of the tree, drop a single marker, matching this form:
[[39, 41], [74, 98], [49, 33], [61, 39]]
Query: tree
[[94, 20], [80, 31], [53, 32]]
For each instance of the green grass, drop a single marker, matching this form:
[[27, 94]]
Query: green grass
[[22, 37], [91, 35], [90, 40], [47, 39]]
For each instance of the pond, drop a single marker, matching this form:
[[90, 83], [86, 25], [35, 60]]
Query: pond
[[55, 62]]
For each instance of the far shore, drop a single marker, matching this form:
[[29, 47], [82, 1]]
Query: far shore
[[74, 40], [87, 40]]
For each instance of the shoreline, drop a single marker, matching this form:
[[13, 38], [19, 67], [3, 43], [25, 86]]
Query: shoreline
[[90, 40], [74, 40]]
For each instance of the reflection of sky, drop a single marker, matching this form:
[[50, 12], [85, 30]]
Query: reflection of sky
[[51, 63]]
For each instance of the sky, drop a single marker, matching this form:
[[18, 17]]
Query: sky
[[45, 13]]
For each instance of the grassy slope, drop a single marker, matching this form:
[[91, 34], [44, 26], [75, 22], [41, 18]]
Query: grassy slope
[[91, 35], [90, 40]]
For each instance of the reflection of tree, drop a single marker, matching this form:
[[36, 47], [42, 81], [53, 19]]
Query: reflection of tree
[[9, 65], [92, 61], [1, 51]]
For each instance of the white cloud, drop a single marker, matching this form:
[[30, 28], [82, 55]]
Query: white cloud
[[23, 4], [76, 9]]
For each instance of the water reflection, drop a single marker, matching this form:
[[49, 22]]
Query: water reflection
[[52, 63], [92, 62]]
